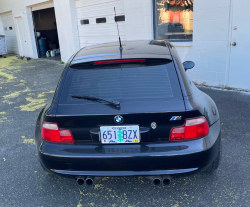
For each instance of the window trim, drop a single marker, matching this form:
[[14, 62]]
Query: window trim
[[154, 18], [179, 43]]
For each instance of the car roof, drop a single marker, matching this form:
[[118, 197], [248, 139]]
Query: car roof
[[131, 49]]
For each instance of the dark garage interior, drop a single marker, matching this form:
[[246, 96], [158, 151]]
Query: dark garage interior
[[46, 33]]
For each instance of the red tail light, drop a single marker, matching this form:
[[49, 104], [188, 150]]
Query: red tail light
[[192, 129], [119, 61], [52, 133]]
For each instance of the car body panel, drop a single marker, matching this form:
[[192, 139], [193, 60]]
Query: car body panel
[[81, 125], [194, 99], [156, 155], [133, 107], [131, 49], [81, 116], [94, 159]]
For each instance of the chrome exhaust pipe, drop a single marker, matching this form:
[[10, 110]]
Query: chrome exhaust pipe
[[80, 180], [166, 179], [89, 180], [156, 180]]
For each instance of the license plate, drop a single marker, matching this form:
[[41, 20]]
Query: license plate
[[120, 134]]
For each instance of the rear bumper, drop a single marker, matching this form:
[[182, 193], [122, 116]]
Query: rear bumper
[[137, 159]]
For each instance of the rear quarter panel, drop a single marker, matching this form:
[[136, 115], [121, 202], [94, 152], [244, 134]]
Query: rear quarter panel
[[48, 112], [196, 102], [203, 103]]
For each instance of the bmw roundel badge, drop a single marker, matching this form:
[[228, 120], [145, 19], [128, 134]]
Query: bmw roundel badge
[[118, 119]]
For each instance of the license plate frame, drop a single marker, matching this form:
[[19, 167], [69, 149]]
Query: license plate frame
[[117, 139]]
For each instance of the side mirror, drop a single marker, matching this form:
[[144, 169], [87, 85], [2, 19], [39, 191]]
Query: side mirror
[[188, 65]]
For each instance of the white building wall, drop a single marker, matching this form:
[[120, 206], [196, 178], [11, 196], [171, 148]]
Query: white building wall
[[66, 23], [9, 32], [139, 19], [66, 20], [210, 47], [96, 33], [21, 9], [1, 27]]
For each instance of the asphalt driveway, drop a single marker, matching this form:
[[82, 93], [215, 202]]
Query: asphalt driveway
[[26, 86]]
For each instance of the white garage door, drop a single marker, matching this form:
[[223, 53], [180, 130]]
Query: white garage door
[[89, 13], [10, 33]]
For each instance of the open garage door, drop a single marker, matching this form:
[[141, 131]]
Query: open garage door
[[96, 23], [10, 33], [46, 32]]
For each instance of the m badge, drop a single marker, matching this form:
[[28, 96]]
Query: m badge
[[176, 118]]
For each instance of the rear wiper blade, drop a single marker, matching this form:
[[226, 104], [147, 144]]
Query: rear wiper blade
[[94, 98]]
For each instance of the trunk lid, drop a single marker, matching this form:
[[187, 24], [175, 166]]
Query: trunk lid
[[148, 91], [84, 121]]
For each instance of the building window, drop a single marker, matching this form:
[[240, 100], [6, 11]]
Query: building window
[[101, 20], [174, 20], [85, 21], [10, 28], [120, 18]]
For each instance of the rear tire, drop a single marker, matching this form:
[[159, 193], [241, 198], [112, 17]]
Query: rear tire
[[215, 164]]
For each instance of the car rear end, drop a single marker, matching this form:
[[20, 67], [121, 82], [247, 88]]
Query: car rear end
[[156, 136]]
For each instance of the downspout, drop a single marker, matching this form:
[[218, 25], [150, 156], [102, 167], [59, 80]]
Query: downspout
[[229, 41]]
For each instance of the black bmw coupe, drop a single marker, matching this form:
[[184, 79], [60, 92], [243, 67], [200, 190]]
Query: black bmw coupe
[[128, 112]]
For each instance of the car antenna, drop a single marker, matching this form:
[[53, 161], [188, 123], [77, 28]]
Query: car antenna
[[121, 48]]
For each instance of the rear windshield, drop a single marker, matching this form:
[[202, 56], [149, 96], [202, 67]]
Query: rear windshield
[[123, 83]]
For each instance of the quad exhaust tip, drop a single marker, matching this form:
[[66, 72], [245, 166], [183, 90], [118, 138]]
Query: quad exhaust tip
[[80, 180], [158, 180], [88, 180], [166, 179]]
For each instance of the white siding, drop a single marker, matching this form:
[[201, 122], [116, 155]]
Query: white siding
[[210, 47], [43, 6], [65, 18], [1, 26], [139, 19], [66, 21], [93, 33], [10, 35]]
